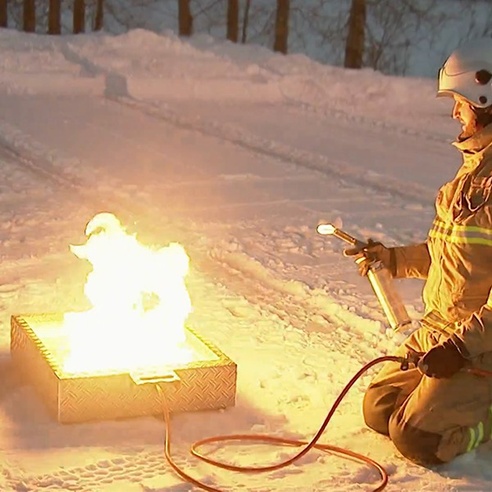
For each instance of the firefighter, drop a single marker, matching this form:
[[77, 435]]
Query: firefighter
[[440, 409]]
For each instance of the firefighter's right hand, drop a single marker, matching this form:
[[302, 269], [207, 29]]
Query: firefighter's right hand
[[372, 251], [442, 361]]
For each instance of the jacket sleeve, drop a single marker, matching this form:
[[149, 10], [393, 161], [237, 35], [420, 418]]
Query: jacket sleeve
[[412, 261], [474, 336]]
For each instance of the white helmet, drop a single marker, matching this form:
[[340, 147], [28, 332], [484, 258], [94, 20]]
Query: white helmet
[[468, 73]]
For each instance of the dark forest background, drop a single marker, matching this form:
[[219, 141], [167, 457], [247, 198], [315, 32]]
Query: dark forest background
[[398, 37]]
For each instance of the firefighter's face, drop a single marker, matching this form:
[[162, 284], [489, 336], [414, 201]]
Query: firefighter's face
[[463, 112]]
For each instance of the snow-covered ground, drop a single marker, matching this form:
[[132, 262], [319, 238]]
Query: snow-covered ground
[[237, 154]]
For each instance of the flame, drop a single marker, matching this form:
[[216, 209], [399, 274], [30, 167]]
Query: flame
[[139, 303], [326, 229]]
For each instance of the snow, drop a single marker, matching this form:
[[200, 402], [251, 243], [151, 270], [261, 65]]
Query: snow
[[236, 153]]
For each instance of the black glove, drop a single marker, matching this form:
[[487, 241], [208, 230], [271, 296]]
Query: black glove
[[373, 250], [442, 361]]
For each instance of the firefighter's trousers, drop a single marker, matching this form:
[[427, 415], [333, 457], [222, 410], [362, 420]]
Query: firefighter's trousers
[[429, 420]]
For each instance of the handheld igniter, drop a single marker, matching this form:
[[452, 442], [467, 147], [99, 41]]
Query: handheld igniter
[[379, 277]]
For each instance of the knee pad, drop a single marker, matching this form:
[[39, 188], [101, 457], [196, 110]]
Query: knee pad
[[415, 444]]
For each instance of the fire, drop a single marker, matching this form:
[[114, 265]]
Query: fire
[[139, 303]]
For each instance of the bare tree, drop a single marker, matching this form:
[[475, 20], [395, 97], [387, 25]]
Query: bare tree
[[244, 33], [256, 19], [3, 13], [395, 29], [78, 16], [282, 26], [29, 16], [54, 17], [354, 48], [99, 15], [185, 18], [232, 20], [390, 36], [125, 17], [479, 17]]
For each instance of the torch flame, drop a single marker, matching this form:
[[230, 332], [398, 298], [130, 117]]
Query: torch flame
[[326, 229], [139, 302]]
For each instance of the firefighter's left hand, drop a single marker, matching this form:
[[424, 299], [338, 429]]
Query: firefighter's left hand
[[442, 361], [372, 250]]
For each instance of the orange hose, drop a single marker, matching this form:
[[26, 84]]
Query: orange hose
[[479, 372], [276, 440]]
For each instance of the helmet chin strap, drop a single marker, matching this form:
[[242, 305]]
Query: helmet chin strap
[[483, 118]]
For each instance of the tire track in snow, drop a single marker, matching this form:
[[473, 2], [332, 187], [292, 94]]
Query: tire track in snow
[[135, 467], [301, 307], [23, 151], [411, 192], [42, 170], [391, 127], [118, 92]]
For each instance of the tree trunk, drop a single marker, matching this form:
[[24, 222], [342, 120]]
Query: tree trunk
[[185, 18], [99, 17], [54, 17], [354, 49], [3, 13], [29, 15], [232, 20], [78, 16], [245, 21], [282, 26]]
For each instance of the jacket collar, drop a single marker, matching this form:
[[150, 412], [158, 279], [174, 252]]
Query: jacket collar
[[476, 143], [474, 149]]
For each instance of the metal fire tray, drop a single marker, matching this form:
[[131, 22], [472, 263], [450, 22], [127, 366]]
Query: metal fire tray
[[209, 382]]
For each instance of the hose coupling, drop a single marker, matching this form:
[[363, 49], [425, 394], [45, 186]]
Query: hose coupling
[[412, 358]]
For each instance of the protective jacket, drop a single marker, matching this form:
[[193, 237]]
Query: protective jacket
[[456, 258]]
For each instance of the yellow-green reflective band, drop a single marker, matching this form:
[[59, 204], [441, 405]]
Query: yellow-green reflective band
[[471, 442], [460, 234], [476, 437], [462, 240], [490, 420], [443, 226], [480, 434]]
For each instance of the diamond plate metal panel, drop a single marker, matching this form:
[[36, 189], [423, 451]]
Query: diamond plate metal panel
[[199, 385]]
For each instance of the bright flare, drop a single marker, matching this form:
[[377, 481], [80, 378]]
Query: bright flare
[[326, 229], [140, 303]]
